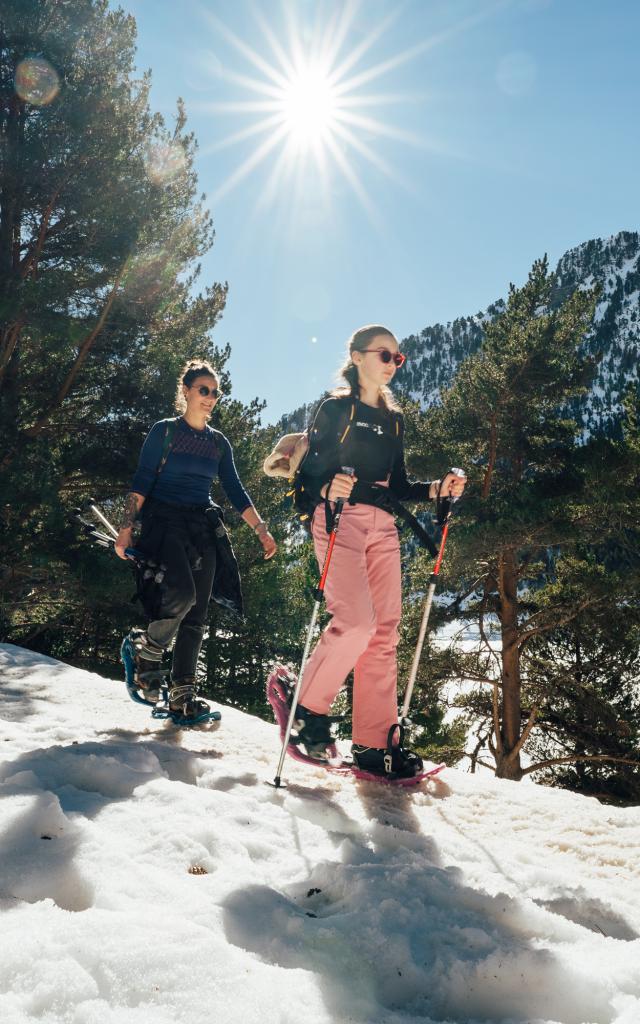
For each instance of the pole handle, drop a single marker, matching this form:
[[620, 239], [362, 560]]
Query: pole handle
[[459, 473]]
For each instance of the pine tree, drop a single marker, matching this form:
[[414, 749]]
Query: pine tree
[[502, 421], [101, 230]]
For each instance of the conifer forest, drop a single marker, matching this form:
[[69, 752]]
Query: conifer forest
[[532, 664]]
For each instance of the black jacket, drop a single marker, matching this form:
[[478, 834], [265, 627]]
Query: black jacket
[[348, 433]]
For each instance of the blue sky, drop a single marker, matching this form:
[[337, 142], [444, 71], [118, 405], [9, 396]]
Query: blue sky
[[472, 137]]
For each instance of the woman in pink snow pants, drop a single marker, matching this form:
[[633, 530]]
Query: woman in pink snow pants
[[359, 428]]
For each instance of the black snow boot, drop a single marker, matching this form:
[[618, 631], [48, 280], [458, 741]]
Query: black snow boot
[[392, 761], [314, 732]]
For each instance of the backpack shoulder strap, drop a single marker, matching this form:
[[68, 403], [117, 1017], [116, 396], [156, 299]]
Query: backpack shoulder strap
[[350, 413], [167, 443]]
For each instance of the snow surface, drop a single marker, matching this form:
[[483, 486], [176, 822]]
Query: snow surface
[[470, 900]]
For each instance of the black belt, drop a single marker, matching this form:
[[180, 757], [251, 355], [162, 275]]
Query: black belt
[[381, 497]]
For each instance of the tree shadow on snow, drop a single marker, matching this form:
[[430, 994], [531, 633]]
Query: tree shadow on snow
[[25, 676], [18, 698], [590, 913], [48, 792], [388, 929], [37, 853]]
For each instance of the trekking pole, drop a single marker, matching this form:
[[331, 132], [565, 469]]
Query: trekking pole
[[103, 540], [91, 504], [319, 597], [433, 579]]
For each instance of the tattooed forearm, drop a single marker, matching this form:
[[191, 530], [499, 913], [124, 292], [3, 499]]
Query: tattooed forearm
[[133, 503]]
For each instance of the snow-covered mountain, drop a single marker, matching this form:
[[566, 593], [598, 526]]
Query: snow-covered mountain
[[614, 265], [149, 876]]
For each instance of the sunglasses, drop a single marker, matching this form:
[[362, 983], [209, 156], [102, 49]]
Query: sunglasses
[[386, 356], [205, 391]]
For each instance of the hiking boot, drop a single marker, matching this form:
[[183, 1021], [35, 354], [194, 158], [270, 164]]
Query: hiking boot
[[184, 701], [392, 761], [147, 661], [314, 732]]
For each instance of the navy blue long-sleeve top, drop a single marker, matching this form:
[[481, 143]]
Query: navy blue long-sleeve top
[[196, 458]]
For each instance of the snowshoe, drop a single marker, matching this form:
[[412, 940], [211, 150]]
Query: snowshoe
[[398, 780], [184, 708], [392, 760], [143, 675], [311, 732], [280, 687]]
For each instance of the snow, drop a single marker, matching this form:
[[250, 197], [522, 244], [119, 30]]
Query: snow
[[150, 876]]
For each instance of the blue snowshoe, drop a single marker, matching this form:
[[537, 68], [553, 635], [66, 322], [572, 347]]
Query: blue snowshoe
[[147, 683], [183, 707], [143, 672]]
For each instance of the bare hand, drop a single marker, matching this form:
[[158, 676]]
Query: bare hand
[[123, 540], [452, 486], [269, 545], [341, 487]]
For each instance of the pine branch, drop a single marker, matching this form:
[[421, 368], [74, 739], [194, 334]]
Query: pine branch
[[557, 623], [574, 759], [83, 352], [493, 454], [31, 258], [10, 339], [476, 761], [483, 635]]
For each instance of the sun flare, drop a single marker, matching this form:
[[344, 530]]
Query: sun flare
[[309, 106], [304, 105]]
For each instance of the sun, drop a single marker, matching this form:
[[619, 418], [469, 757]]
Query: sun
[[309, 106], [303, 101]]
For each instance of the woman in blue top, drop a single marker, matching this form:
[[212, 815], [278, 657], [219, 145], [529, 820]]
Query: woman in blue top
[[170, 495]]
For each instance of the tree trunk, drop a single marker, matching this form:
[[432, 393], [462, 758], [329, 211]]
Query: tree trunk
[[508, 758], [10, 226]]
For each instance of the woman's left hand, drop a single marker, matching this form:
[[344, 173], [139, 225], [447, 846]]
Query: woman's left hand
[[269, 545]]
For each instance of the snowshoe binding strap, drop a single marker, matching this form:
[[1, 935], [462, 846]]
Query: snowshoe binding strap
[[402, 763], [313, 732], [184, 701]]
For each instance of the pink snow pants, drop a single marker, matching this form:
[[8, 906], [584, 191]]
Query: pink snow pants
[[363, 596]]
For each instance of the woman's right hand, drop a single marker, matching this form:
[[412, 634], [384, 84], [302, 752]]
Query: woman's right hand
[[123, 540], [341, 487]]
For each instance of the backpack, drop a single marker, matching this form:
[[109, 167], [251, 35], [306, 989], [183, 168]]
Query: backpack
[[287, 460]]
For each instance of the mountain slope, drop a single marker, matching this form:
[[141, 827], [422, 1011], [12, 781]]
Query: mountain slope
[[330, 901], [613, 264]]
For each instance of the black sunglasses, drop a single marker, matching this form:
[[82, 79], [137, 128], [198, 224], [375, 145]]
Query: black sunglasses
[[205, 391], [386, 356]]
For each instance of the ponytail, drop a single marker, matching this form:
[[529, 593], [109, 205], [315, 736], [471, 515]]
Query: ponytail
[[348, 373]]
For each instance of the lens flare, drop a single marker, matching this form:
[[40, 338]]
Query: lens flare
[[36, 81], [147, 281], [164, 161]]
